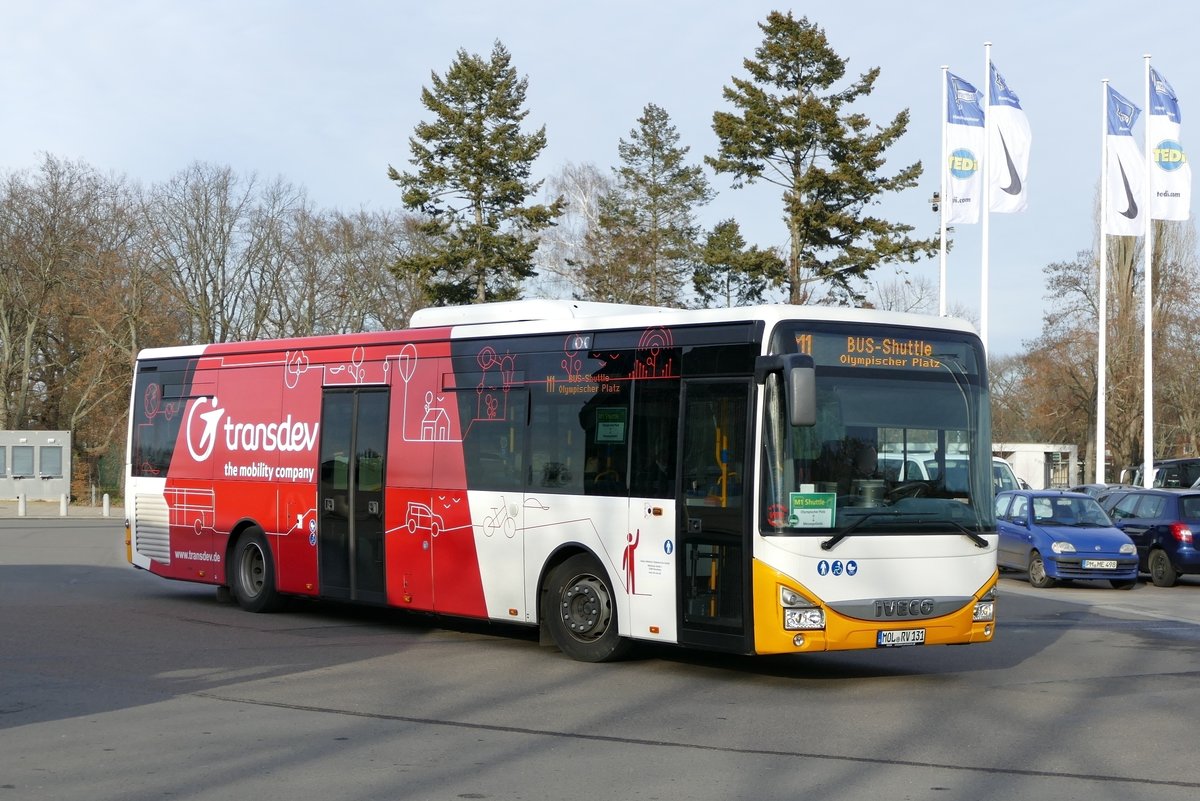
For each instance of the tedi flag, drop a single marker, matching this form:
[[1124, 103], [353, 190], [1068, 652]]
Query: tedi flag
[[1170, 173], [1126, 176], [1008, 130], [964, 151]]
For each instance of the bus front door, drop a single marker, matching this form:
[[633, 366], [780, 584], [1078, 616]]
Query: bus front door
[[714, 557], [350, 494]]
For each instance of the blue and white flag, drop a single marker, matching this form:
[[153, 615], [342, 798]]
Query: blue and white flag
[[1170, 173], [1008, 129], [1125, 192], [965, 133]]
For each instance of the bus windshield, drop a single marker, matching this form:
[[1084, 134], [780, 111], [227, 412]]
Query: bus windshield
[[901, 440]]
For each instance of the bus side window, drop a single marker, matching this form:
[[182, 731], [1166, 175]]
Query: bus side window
[[655, 433], [714, 444], [494, 443], [605, 438], [557, 459]]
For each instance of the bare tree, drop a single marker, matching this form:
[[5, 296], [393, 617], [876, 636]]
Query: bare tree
[[391, 299], [47, 236], [904, 293], [218, 237], [1176, 335], [1012, 398], [563, 246], [266, 237], [77, 304], [337, 278], [1060, 366]]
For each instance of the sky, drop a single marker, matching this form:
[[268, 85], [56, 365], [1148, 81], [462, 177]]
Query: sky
[[326, 95]]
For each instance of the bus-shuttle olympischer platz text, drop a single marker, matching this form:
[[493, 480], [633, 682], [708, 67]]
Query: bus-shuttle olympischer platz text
[[609, 473]]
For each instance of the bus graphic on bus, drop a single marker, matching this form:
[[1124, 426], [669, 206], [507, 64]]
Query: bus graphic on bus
[[608, 473]]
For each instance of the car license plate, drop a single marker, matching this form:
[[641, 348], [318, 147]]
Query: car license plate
[[891, 638], [1099, 564]]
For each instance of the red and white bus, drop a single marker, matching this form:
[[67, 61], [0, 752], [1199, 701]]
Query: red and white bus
[[608, 473]]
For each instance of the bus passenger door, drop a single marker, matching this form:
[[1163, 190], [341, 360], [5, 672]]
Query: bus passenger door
[[350, 494], [714, 558]]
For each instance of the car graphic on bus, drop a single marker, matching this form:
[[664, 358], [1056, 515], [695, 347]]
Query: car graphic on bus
[[419, 517]]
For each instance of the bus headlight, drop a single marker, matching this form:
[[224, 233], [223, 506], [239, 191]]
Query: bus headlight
[[799, 613], [985, 607], [803, 619]]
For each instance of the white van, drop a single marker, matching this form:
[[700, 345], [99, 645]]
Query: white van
[[1003, 477], [923, 466]]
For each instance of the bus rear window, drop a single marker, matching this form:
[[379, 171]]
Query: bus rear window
[[160, 394]]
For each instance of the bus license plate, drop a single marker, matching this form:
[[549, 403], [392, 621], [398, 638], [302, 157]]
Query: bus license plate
[[1099, 564], [890, 638]]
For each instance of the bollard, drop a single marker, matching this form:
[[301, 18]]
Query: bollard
[[62, 505], [21, 505], [106, 505]]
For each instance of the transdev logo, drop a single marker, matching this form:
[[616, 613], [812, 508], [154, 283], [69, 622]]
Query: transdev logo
[[963, 164], [203, 428], [1169, 155], [202, 447]]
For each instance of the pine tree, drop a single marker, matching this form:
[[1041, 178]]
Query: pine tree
[[826, 159], [471, 183], [645, 245], [730, 274]]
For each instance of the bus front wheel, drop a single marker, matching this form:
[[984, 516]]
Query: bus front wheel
[[579, 611], [252, 574]]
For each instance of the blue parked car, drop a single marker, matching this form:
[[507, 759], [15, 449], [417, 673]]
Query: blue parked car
[[1161, 523], [1062, 536]]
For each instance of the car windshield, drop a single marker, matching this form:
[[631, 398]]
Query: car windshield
[[1063, 510], [899, 448]]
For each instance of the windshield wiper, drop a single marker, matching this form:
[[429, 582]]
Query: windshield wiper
[[828, 544], [979, 541], [850, 529]]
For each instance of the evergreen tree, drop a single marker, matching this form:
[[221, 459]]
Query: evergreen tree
[[826, 159], [729, 274], [644, 247], [471, 182]]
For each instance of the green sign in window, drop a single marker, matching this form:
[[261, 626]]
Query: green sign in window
[[812, 509], [610, 424]]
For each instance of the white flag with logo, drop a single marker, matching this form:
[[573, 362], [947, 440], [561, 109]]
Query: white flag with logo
[[1170, 173], [1008, 129], [1126, 175], [964, 151]]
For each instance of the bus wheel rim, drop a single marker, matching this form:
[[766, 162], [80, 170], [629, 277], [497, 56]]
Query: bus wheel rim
[[586, 608], [253, 573]]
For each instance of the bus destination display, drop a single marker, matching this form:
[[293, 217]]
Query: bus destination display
[[895, 352]]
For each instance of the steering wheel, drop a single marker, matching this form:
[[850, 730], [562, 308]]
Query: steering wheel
[[912, 489]]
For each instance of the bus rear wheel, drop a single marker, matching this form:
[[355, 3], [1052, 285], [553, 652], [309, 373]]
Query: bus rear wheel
[[252, 573], [578, 610]]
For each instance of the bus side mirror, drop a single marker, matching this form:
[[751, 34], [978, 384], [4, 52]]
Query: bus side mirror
[[802, 394], [799, 381]]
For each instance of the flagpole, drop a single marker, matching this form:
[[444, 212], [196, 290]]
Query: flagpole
[[1148, 306], [945, 199], [987, 193], [1102, 326]]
